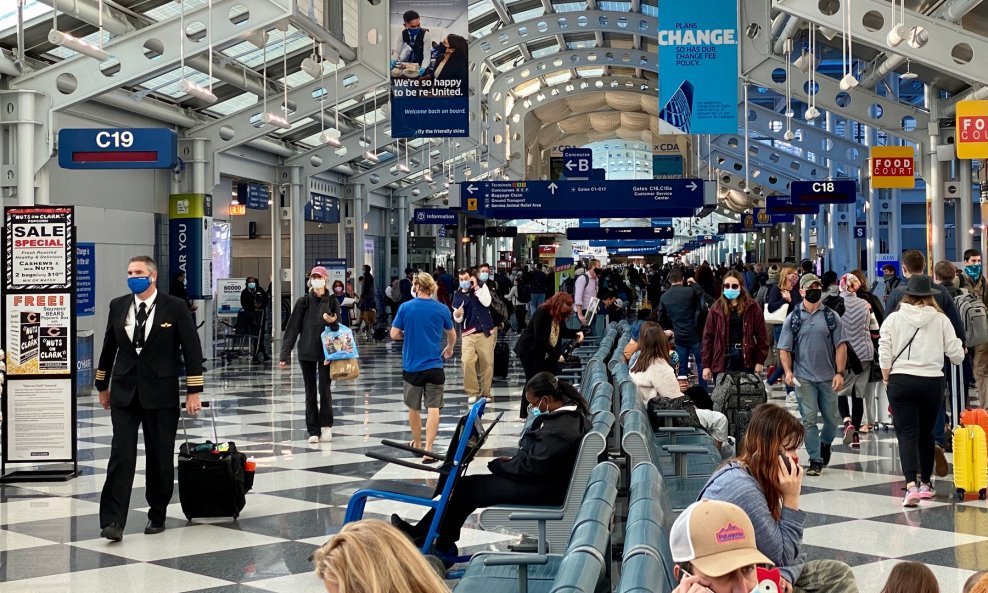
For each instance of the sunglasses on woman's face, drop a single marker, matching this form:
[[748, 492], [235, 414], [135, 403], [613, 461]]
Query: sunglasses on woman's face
[[732, 286]]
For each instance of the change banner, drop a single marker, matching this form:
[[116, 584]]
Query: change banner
[[429, 66]]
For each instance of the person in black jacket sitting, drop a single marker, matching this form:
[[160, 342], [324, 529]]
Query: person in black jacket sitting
[[537, 474], [539, 347]]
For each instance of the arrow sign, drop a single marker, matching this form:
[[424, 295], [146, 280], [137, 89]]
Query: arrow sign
[[471, 188], [569, 199], [577, 162], [635, 233]]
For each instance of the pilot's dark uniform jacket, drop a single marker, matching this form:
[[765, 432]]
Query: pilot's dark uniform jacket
[[140, 364], [538, 474]]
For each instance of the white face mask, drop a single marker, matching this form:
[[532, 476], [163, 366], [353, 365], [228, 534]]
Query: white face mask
[[318, 283]]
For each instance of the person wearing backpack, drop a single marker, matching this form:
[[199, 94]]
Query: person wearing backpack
[[813, 351], [971, 307], [584, 291], [856, 319], [913, 343]]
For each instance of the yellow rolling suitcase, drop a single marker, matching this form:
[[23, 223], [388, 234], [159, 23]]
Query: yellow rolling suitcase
[[970, 461]]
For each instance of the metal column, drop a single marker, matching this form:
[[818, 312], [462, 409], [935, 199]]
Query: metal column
[[964, 208], [206, 306], [389, 232], [25, 148], [934, 184], [276, 274], [402, 214], [360, 203], [296, 249], [873, 242]]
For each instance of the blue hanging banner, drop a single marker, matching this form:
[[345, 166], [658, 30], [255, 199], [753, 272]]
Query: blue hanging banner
[[698, 66], [324, 209], [786, 205], [590, 223], [429, 66], [619, 233], [434, 216], [814, 193], [626, 244], [759, 218], [85, 279]]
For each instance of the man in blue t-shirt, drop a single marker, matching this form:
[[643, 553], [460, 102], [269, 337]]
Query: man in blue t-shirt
[[420, 323]]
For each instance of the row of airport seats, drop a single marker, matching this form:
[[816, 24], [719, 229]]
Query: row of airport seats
[[652, 474]]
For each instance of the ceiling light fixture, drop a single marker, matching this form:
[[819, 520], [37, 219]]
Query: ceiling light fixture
[[372, 156], [848, 82], [81, 46], [811, 112], [312, 65], [258, 38], [330, 137], [909, 74]]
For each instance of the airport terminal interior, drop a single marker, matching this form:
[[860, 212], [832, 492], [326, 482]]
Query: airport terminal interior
[[252, 156]]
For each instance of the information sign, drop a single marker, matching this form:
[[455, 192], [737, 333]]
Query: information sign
[[565, 199], [254, 196], [860, 231], [644, 233], [336, 267], [228, 292], [324, 209], [85, 280], [434, 216], [117, 148], [786, 205], [589, 222], [577, 162], [893, 167], [39, 247], [814, 193]]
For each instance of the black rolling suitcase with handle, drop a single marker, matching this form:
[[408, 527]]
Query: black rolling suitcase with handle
[[502, 356], [736, 395], [213, 479]]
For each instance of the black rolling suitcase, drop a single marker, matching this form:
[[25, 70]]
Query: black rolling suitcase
[[380, 331], [502, 356], [736, 395], [212, 477]]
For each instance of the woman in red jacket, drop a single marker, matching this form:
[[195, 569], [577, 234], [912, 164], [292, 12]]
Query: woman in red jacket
[[734, 338]]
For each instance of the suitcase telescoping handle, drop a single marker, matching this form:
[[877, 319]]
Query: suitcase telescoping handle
[[212, 418]]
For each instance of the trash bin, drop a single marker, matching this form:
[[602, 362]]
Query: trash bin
[[84, 362]]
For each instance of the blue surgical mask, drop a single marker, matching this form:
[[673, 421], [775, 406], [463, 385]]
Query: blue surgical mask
[[732, 293], [974, 271], [251, 285], [138, 284], [484, 276], [464, 285]]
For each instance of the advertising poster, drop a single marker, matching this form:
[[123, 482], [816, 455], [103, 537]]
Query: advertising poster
[[39, 247], [85, 279], [39, 420], [38, 338], [698, 52], [190, 241], [228, 296], [429, 66]]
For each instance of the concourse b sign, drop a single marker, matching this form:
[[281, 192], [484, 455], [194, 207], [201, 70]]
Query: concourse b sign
[[972, 130]]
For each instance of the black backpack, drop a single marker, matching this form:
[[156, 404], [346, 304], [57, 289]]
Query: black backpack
[[524, 293]]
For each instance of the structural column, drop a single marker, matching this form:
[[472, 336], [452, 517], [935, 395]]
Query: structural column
[[297, 246], [206, 306], [389, 232], [276, 273], [360, 203], [934, 185], [873, 242], [402, 215], [964, 208], [25, 148]]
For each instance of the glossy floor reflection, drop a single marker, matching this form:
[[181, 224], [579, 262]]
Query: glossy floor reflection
[[49, 533]]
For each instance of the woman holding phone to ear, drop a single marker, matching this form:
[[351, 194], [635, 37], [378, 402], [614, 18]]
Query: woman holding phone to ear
[[765, 480]]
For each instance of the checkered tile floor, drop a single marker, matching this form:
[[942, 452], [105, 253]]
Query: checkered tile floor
[[49, 533]]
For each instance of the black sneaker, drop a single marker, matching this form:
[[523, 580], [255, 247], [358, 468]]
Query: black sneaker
[[825, 454], [815, 469]]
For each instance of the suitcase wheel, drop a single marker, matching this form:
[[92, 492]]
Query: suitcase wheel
[[188, 518], [982, 494], [960, 494]]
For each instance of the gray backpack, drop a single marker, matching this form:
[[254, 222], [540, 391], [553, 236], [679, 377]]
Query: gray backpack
[[974, 315]]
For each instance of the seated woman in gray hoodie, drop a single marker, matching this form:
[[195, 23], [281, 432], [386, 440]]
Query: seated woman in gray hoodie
[[765, 480], [911, 347]]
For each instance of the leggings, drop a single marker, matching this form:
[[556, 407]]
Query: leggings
[[915, 403]]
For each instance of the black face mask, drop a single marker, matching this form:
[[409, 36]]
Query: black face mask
[[814, 295]]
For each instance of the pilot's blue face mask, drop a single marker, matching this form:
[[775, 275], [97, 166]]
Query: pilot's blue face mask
[[138, 284]]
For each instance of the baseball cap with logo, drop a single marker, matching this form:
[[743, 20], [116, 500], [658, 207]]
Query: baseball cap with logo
[[715, 537], [807, 280], [319, 271]]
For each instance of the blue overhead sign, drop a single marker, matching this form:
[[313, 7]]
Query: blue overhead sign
[[786, 205], [637, 233], [598, 174], [698, 66], [254, 196], [322, 208], [860, 231], [730, 228], [590, 222], [577, 162], [568, 199], [633, 250], [834, 191], [759, 218], [434, 216], [117, 148], [626, 244], [661, 222]]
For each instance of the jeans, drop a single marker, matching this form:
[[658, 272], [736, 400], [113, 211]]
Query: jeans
[[915, 401], [537, 300], [684, 360], [817, 399]]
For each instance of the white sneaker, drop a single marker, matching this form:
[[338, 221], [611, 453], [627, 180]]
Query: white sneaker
[[791, 400], [313, 440], [327, 435], [472, 399]]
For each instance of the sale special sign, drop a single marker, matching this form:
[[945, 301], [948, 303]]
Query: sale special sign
[[971, 138], [893, 167], [39, 247]]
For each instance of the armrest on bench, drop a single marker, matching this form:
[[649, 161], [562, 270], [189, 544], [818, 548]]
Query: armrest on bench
[[522, 561], [673, 431], [680, 453], [540, 517]]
